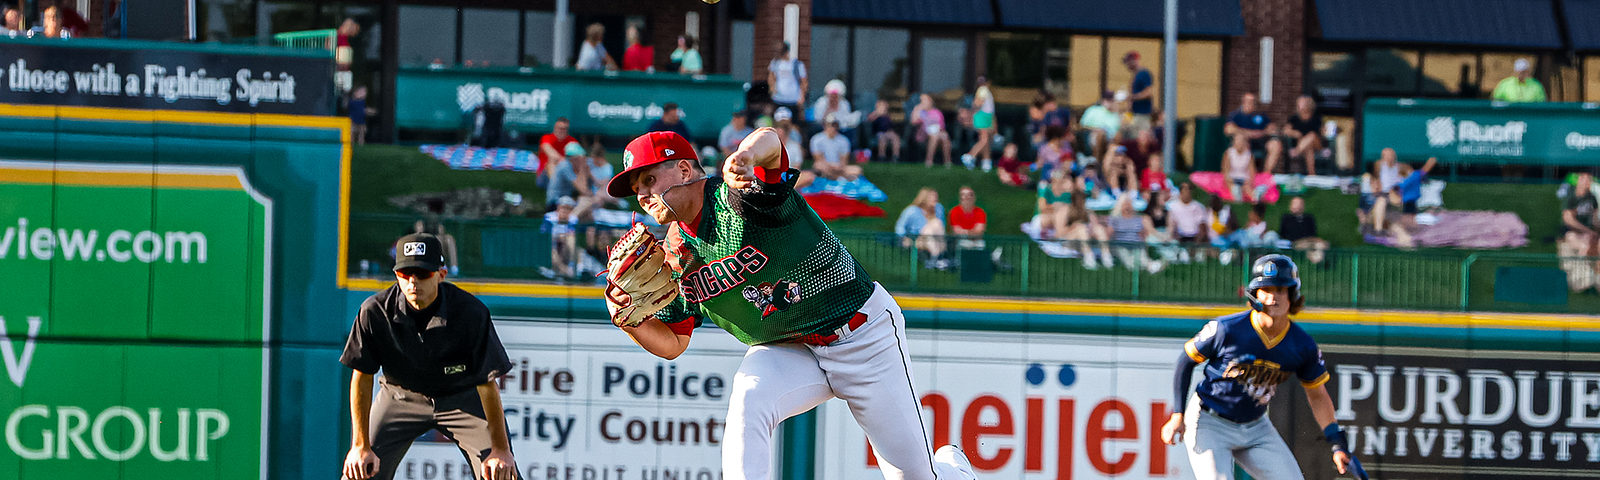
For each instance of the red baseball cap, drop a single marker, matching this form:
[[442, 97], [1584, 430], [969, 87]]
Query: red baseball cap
[[647, 151]]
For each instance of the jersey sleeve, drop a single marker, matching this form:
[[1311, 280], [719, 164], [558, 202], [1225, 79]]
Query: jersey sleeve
[[488, 353], [1205, 345], [680, 316], [1313, 372], [359, 353]]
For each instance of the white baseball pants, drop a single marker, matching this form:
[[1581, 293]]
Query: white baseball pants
[[1215, 444], [869, 368]]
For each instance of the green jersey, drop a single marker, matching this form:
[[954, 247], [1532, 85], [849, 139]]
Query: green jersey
[[762, 265]]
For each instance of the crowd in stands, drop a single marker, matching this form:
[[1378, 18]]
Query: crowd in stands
[[54, 22]]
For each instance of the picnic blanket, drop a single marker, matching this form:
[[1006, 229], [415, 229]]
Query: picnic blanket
[[833, 207], [859, 188], [467, 157], [1464, 229], [1217, 184]]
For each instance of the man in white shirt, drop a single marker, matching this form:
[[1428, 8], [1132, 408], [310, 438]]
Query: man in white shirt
[[787, 76], [1189, 217], [830, 150]]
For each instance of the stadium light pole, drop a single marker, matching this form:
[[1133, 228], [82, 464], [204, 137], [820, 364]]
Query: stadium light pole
[[1169, 89]]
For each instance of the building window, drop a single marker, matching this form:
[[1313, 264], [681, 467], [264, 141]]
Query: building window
[[489, 37], [742, 61], [1591, 79], [427, 35], [942, 66], [1016, 60], [225, 20], [1392, 71], [830, 58], [1199, 78], [285, 16], [1450, 74], [881, 66], [1087, 63]]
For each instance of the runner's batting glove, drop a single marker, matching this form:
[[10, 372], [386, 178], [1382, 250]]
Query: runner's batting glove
[[1335, 435], [638, 282]]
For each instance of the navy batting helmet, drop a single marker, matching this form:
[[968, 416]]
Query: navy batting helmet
[[1274, 271]]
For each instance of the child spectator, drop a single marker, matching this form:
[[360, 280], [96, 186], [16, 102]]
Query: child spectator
[[1154, 178], [562, 225], [1013, 171], [931, 131], [1055, 201], [1239, 164], [1054, 152], [921, 226], [883, 130]]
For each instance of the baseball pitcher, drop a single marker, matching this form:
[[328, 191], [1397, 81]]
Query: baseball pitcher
[[746, 252], [1246, 356]]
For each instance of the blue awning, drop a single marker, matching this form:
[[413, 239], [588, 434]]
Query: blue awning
[[948, 12], [1488, 23], [1195, 17], [1583, 23]]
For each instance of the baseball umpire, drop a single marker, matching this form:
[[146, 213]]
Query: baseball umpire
[[818, 327], [440, 356], [1246, 356]]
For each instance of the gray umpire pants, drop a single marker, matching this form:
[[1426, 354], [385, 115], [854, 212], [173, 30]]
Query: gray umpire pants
[[399, 416], [1215, 444]]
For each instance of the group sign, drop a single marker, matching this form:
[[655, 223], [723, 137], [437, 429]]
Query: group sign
[[1480, 131], [134, 323]]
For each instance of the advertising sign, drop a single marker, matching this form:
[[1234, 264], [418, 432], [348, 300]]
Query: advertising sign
[[1451, 414], [583, 402], [1031, 406], [1476, 131], [609, 104], [98, 73], [134, 322]]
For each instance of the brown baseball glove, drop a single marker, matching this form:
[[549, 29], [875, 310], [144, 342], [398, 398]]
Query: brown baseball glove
[[638, 281]]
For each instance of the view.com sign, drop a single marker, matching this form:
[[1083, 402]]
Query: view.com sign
[[1473, 139], [88, 245]]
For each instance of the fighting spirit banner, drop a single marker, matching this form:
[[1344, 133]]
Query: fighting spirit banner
[[157, 76]]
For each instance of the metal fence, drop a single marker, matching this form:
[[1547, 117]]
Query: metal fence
[[307, 39], [1369, 278]]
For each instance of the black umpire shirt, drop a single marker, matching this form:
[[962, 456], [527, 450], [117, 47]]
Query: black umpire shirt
[[456, 350]]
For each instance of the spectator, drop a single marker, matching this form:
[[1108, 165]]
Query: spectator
[[829, 151], [883, 130], [1223, 230], [1121, 172], [733, 133], [1160, 220], [787, 76], [1520, 87], [1189, 218], [690, 61], [1154, 178], [343, 52], [983, 122], [1238, 163], [1049, 114], [1103, 123], [1300, 229], [1255, 233], [1013, 171], [672, 121], [1387, 170], [1141, 147], [968, 221], [1055, 201], [834, 104], [560, 178], [793, 143], [11, 22], [921, 226], [553, 145], [562, 225], [1301, 130], [1128, 230], [1140, 93], [638, 57], [432, 223], [1581, 220], [358, 115], [931, 129], [1405, 193], [1257, 127], [50, 25], [1055, 153], [1082, 227], [592, 55]]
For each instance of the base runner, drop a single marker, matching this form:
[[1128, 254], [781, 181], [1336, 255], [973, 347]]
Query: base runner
[[748, 253], [1247, 354]]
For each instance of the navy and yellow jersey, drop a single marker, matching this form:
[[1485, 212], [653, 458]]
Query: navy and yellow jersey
[[1243, 366]]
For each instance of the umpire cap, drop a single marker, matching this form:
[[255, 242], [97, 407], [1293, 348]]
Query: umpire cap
[[420, 251]]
